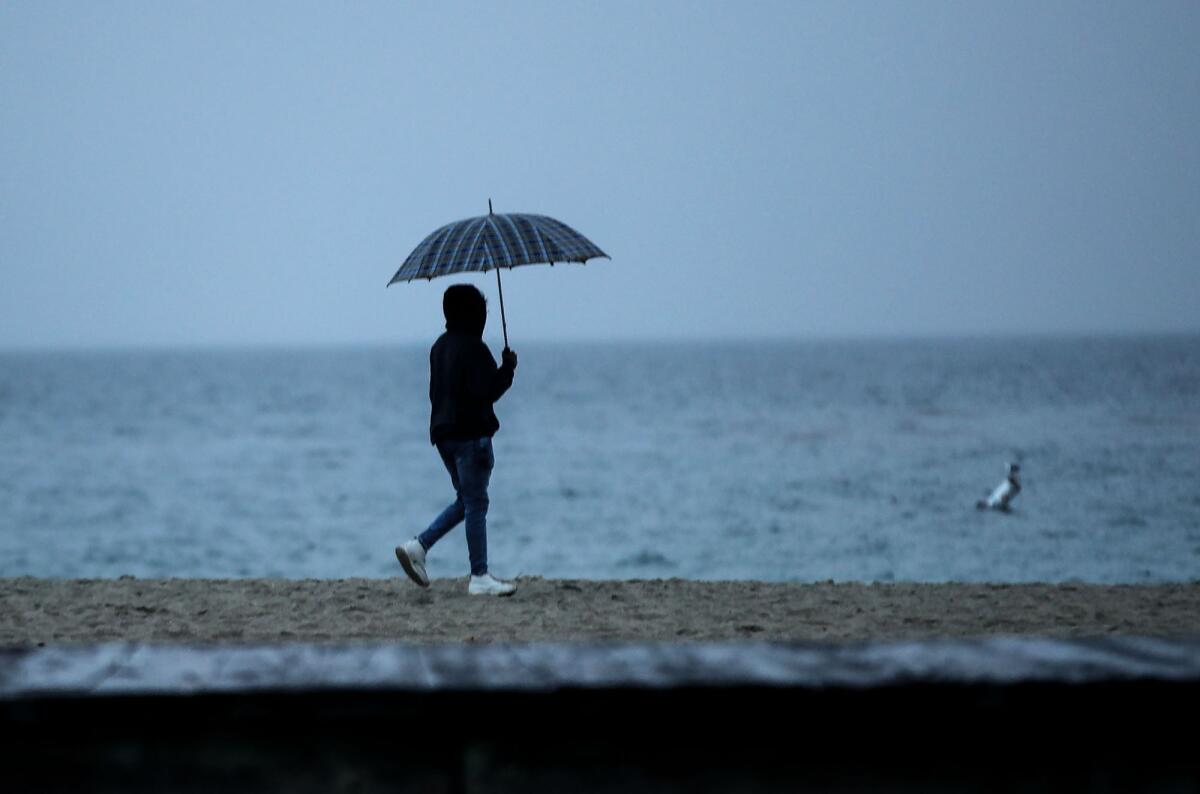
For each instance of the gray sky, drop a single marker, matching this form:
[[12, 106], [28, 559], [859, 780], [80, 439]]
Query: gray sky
[[252, 172]]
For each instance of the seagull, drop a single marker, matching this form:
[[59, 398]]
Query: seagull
[[1004, 493]]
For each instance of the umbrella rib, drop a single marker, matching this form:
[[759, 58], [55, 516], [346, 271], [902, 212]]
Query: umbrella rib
[[471, 250], [465, 227], [583, 247], [551, 256], [527, 259], [449, 231], [560, 240], [487, 250], [541, 238], [500, 238]]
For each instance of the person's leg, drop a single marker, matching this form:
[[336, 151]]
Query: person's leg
[[454, 513], [475, 462]]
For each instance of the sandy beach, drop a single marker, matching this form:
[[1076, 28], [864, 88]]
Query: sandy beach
[[242, 611]]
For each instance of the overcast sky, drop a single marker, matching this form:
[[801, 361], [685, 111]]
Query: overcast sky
[[252, 172]]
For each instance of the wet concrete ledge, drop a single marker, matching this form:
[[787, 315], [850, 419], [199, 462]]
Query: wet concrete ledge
[[134, 669], [998, 713]]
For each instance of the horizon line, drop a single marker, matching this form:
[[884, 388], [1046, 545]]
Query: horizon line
[[914, 336]]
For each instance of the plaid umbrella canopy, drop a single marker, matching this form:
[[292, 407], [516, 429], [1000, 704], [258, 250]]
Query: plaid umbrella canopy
[[493, 241]]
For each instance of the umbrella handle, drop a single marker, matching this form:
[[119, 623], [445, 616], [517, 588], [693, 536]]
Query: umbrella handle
[[500, 287]]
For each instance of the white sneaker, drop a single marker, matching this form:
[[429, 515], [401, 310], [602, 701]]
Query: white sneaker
[[412, 558], [490, 585]]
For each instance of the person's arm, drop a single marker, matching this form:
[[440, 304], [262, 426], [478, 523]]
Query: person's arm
[[487, 381]]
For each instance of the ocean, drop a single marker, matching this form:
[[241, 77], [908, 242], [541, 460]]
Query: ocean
[[779, 461]]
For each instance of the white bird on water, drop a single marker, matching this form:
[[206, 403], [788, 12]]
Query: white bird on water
[[1003, 493]]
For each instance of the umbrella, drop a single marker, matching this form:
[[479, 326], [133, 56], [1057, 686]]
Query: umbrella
[[493, 241]]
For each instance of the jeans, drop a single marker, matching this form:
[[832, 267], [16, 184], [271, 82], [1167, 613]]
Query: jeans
[[470, 465]]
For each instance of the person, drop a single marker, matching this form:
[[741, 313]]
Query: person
[[464, 383], [1004, 493]]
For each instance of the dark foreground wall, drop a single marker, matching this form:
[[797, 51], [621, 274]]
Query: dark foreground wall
[[1001, 714]]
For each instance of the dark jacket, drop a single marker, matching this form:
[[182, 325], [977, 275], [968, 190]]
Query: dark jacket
[[464, 381]]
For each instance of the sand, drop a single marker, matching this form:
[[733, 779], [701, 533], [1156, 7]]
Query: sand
[[244, 611]]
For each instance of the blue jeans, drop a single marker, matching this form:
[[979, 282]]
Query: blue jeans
[[470, 465]]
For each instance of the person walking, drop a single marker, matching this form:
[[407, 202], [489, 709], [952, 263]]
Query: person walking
[[464, 383]]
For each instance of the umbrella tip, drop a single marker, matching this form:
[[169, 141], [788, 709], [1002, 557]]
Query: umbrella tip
[[489, 206]]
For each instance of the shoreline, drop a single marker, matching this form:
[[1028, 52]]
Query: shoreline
[[256, 611]]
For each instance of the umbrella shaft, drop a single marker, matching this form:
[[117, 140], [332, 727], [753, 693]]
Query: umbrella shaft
[[503, 321]]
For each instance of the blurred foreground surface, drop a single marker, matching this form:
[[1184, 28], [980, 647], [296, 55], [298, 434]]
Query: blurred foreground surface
[[1001, 714]]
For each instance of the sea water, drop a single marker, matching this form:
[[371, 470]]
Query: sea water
[[781, 461]]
